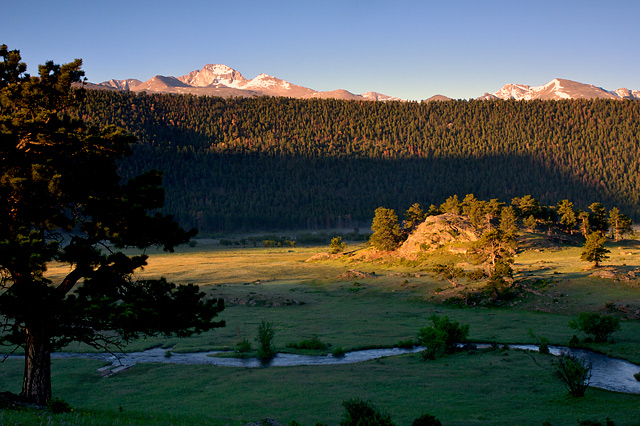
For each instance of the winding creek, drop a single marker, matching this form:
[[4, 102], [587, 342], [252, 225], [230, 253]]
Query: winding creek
[[607, 373]]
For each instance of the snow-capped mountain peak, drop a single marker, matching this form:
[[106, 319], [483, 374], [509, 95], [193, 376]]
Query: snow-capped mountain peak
[[212, 75], [558, 89], [264, 81]]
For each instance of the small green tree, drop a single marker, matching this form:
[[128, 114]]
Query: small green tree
[[574, 372], [426, 420], [492, 210], [451, 205], [526, 206], [594, 250], [530, 223], [386, 230], [414, 216], [448, 271], [337, 245], [495, 246], [619, 224], [433, 210], [442, 337], [568, 218], [598, 218], [360, 412], [509, 221], [584, 224], [600, 327], [266, 350]]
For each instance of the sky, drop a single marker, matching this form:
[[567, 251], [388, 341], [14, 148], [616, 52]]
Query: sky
[[409, 49]]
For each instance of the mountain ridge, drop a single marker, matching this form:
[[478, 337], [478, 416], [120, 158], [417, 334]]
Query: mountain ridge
[[222, 80], [558, 89]]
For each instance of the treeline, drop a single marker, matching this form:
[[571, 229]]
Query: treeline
[[279, 163]]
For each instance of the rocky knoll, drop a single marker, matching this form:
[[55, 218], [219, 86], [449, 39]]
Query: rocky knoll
[[436, 232]]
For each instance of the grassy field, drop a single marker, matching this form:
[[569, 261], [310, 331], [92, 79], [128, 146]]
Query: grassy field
[[303, 299]]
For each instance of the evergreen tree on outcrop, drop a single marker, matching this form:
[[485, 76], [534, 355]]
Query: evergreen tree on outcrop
[[387, 234]]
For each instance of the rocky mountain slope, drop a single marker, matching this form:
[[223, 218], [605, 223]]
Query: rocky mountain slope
[[221, 80], [558, 89]]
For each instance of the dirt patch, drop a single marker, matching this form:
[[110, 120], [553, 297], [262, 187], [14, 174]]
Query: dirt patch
[[627, 310], [617, 274], [261, 300], [318, 257], [356, 274]]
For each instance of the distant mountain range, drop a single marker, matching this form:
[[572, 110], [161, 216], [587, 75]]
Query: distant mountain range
[[558, 89], [221, 80]]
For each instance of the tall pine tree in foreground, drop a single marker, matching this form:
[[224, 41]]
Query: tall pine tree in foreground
[[62, 200]]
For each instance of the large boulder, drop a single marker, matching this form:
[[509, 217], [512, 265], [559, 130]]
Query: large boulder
[[436, 232]]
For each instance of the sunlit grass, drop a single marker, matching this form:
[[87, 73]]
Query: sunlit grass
[[304, 299]]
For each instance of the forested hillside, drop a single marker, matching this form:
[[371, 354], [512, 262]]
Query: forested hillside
[[278, 163]]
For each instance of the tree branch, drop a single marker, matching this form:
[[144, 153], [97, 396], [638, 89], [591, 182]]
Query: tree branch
[[71, 280]]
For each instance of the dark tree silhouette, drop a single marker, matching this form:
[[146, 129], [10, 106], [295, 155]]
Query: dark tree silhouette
[[62, 200]]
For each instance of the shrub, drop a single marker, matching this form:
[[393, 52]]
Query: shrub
[[543, 343], [337, 246], [426, 420], [574, 342], [339, 351], [608, 422], [265, 341], [243, 346], [442, 337], [600, 327], [637, 376], [58, 406], [358, 412], [406, 344], [314, 344], [574, 372]]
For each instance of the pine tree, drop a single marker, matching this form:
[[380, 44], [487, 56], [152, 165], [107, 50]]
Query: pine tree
[[386, 230], [619, 224], [594, 250], [568, 218]]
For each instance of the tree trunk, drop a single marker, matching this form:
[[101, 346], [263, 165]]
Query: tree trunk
[[36, 386]]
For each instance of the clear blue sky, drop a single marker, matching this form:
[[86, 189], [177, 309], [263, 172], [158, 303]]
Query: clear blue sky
[[409, 49]]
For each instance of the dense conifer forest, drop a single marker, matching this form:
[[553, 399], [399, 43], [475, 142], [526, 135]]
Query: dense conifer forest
[[280, 163]]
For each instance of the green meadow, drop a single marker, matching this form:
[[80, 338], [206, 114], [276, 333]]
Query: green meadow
[[353, 304]]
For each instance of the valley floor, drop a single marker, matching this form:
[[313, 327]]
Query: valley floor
[[352, 305]]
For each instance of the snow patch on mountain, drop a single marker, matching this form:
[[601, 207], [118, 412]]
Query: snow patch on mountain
[[558, 89]]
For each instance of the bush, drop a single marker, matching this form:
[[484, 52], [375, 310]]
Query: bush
[[574, 372], [358, 412], [406, 344], [265, 341], [426, 420], [58, 406], [608, 422], [637, 376], [243, 346], [543, 343], [600, 327], [337, 246], [339, 351], [442, 337], [314, 344], [574, 342]]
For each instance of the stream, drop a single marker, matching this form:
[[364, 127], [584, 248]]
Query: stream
[[607, 373]]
